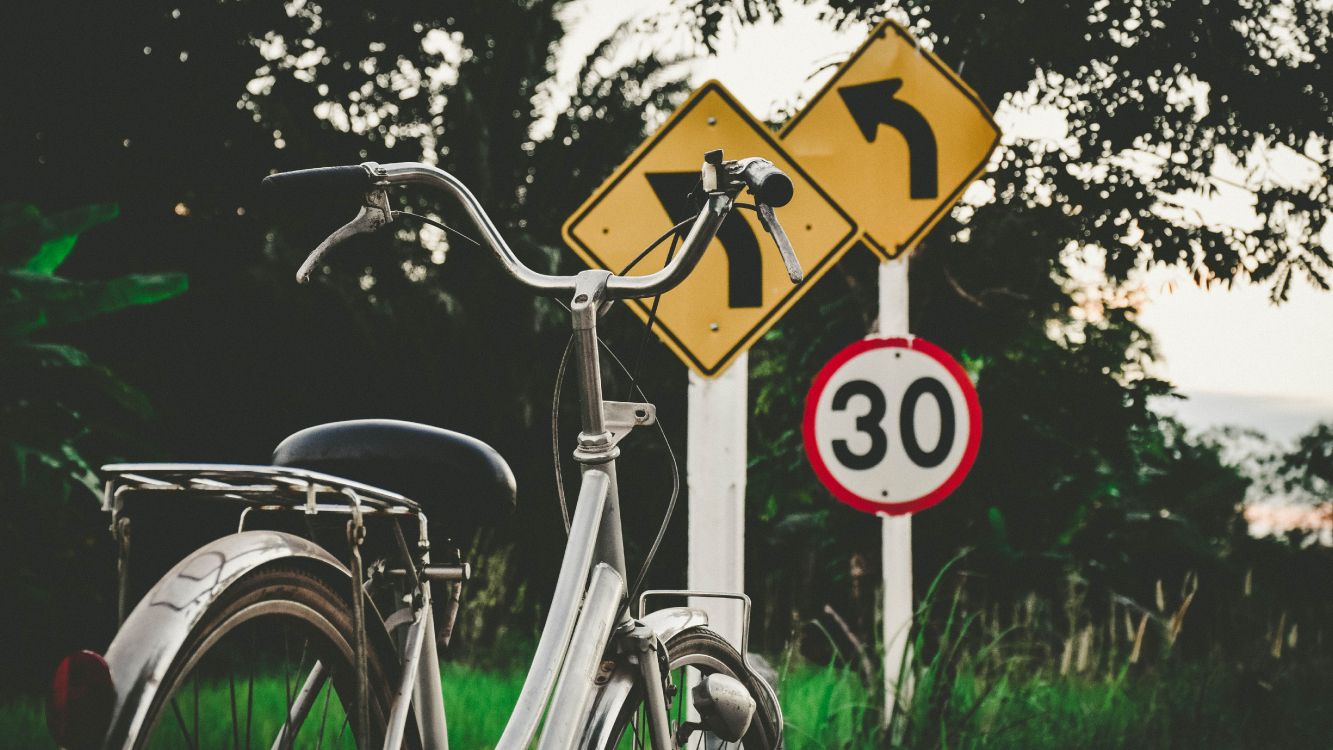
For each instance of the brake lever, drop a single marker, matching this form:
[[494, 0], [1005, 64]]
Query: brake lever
[[374, 213], [769, 219]]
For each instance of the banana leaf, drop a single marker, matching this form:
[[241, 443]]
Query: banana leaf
[[30, 301], [41, 243]]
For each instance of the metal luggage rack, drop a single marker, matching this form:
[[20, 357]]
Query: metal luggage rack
[[266, 488], [257, 487]]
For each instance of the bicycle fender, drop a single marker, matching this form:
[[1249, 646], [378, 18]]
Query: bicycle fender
[[148, 641], [614, 690]]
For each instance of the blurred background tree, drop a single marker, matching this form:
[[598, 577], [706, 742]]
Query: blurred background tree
[[1163, 105], [176, 110], [59, 412], [186, 106]]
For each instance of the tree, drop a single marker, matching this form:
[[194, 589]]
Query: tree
[[1165, 106], [61, 414], [53, 394], [189, 105], [177, 110]]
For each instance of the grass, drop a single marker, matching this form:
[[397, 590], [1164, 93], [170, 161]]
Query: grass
[[1183, 706], [827, 707], [477, 702]]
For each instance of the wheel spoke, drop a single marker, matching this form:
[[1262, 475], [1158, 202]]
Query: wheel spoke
[[288, 738], [235, 729], [346, 721], [180, 722], [195, 685], [324, 713], [250, 693], [286, 675], [682, 694], [228, 668]]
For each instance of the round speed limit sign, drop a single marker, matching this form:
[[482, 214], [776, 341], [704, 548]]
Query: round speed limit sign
[[892, 425]]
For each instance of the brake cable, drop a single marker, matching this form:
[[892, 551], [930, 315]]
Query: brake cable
[[633, 387], [556, 456], [437, 224]]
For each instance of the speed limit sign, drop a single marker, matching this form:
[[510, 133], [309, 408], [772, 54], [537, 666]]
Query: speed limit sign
[[892, 425]]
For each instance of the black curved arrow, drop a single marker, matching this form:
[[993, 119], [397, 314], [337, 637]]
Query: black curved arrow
[[744, 265], [872, 105]]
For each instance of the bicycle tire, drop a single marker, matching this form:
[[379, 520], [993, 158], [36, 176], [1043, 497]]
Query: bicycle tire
[[707, 651], [291, 595]]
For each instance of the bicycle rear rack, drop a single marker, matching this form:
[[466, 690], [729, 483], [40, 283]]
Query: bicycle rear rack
[[262, 487], [266, 488], [278, 488]]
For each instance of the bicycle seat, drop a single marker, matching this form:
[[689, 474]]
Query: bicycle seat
[[455, 478]]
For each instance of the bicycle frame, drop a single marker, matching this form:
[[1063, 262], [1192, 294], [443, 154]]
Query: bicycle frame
[[592, 573], [577, 682], [571, 671], [589, 601]]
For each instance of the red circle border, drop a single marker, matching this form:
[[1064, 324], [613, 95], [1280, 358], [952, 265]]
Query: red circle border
[[841, 492]]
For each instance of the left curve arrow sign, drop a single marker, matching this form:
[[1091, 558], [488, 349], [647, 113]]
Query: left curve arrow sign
[[873, 104]]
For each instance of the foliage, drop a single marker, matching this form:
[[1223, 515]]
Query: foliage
[[52, 393], [61, 414], [828, 707], [190, 104], [1309, 466], [1161, 99], [1074, 674], [1166, 108]]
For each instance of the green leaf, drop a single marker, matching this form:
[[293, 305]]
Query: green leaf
[[51, 254], [61, 373], [37, 300], [41, 243], [27, 355]]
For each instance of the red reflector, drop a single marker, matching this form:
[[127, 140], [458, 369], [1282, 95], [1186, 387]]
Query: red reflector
[[78, 710]]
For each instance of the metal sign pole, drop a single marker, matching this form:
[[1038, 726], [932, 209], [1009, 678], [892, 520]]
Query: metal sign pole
[[896, 531], [715, 479]]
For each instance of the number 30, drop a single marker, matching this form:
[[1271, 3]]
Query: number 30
[[870, 424]]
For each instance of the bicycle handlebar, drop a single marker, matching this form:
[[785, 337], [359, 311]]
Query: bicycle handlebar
[[352, 179], [766, 182]]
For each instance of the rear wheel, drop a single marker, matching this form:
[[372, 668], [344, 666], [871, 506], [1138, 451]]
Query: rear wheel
[[691, 655], [271, 665]]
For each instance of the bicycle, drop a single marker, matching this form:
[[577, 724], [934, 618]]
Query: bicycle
[[602, 676]]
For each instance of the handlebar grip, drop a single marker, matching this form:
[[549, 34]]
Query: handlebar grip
[[349, 179], [767, 183]]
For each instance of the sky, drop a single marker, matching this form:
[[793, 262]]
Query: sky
[[1239, 359]]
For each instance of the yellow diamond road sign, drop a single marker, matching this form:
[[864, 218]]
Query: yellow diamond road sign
[[740, 287], [895, 137]]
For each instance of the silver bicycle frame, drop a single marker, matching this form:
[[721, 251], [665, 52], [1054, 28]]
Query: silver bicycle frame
[[589, 600], [588, 611], [568, 654]]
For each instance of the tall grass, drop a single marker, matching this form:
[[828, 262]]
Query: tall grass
[[1180, 705], [828, 707], [1048, 674], [972, 688]]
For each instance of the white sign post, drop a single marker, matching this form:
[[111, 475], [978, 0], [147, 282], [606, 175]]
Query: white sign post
[[895, 531], [715, 479], [892, 425]]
